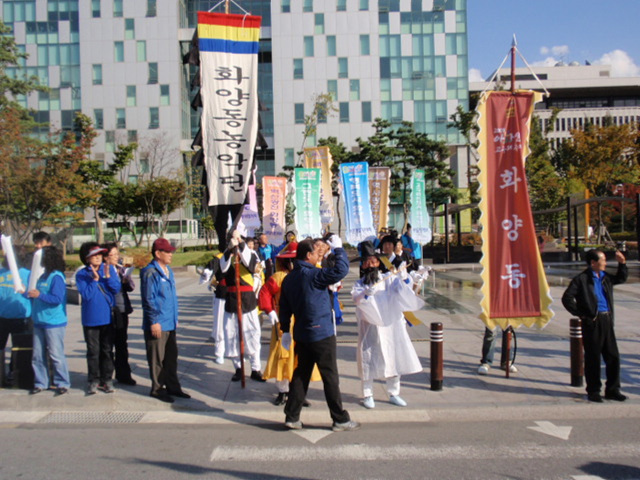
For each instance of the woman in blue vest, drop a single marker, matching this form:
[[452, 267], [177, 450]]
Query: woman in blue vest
[[49, 314]]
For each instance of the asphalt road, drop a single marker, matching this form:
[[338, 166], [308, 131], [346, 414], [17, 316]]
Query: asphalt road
[[573, 449]]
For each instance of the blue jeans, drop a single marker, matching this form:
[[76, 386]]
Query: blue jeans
[[49, 341], [489, 345]]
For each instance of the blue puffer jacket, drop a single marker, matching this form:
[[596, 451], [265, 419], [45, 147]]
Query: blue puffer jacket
[[305, 294], [96, 302], [159, 298]]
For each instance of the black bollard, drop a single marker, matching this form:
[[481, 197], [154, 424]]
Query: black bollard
[[577, 353], [437, 341]]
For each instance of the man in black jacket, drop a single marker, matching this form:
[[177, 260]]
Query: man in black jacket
[[590, 297]]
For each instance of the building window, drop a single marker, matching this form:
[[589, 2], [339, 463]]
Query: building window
[[354, 90], [141, 51], [129, 29], [117, 8], [164, 95], [341, 5], [95, 8], [151, 8], [319, 23], [343, 67], [131, 95], [308, 46], [132, 136], [298, 69], [365, 47], [289, 159], [285, 6], [154, 117], [96, 74], [364, 5], [299, 112], [307, 6], [118, 51], [121, 118], [366, 111], [344, 112], [331, 45], [110, 141], [153, 73], [98, 118], [332, 88]]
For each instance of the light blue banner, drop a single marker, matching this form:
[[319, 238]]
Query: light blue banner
[[355, 184], [307, 200], [419, 216]]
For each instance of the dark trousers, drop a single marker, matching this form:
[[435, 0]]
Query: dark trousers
[[13, 327], [99, 353], [323, 354], [162, 356], [120, 337], [599, 340]]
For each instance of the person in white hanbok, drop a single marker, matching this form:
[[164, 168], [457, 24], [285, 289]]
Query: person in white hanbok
[[384, 350]]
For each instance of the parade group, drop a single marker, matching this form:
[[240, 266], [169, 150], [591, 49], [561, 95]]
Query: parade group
[[293, 286]]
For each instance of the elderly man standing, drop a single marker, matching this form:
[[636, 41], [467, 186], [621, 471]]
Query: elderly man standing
[[590, 297], [306, 296], [159, 322]]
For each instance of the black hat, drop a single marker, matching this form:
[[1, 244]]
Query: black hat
[[367, 250]]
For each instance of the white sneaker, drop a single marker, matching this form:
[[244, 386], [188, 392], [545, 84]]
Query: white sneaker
[[512, 368], [368, 402], [483, 369], [397, 401], [219, 360]]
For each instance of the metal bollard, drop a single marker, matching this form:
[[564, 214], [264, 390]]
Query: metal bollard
[[437, 341], [577, 353]]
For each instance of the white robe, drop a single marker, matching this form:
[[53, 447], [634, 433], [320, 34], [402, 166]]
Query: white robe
[[384, 347]]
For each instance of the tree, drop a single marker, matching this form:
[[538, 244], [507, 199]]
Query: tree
[[160, 197], [547, 188], [467, 124], [323, 107]]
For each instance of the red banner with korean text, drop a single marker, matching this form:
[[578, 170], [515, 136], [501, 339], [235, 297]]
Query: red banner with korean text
[[515, 290]]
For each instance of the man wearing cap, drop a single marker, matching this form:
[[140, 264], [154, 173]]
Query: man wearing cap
[[97, 284], [384, 350], [305, 295], [159, 322]]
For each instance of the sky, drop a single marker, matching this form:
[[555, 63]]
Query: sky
[[549, 31]]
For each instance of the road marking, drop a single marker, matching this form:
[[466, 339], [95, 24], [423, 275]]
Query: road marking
[[357, 452], [312, 436], [549, 428]]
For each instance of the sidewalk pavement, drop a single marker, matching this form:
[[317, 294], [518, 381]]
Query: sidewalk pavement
[[540, 390]]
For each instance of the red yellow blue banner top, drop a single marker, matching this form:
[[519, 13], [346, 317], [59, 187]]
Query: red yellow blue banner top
[[218, 32]]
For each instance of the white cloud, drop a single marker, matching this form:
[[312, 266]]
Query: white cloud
[[475, 75], [547, 62], [560, 50], [622, 65], [544, 51]]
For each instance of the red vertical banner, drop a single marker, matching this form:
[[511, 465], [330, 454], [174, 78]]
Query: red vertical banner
[[515, 288]]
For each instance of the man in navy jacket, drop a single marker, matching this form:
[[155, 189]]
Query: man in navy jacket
[[305, 295]]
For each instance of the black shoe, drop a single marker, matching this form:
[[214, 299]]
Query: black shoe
[[305, 403], [162, 395], [61, 391], [237, 376], [281, 399], [257, 376], [594, 397], [35, 391], [107, 387], [617, 396], [178, 393], [127, 381]]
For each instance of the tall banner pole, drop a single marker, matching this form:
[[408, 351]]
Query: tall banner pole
[[239, 312]]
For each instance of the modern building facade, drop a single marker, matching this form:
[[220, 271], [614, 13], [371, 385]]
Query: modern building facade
[[120, 62], [584, 94]]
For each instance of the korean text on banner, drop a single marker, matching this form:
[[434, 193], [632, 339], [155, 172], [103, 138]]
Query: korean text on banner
[[320, 157], [515, 290], [250, 217], [229, 89], [379, 186], [274, 192], [418, 216], [355, 184], [307, 196]]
